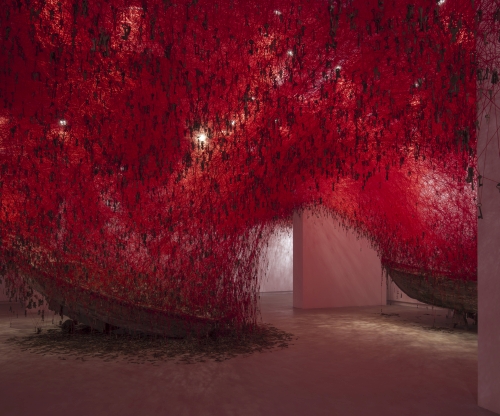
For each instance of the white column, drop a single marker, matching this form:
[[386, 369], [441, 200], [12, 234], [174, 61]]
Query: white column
[[489, 252], [332, 267]]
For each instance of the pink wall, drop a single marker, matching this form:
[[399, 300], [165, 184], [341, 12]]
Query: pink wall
[[489, 254], [276, 264], [332, 267]]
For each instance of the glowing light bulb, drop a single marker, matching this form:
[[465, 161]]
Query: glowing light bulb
[[290, 53], [233, 123], [441, 2], [63, 123], [202, 137], [253, 98], [277, 12], [337, 72]]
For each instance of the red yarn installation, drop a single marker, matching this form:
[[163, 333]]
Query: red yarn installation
[[148, 150]]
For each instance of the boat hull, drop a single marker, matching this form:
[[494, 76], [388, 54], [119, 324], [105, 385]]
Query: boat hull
[[105, 313]]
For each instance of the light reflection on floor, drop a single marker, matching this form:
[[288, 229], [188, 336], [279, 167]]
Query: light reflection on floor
[[346, 361]]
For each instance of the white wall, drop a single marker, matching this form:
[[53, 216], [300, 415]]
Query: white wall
[[333, 267], [276, 264]]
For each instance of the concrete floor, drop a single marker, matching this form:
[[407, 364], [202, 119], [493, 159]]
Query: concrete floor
[[347, 361]]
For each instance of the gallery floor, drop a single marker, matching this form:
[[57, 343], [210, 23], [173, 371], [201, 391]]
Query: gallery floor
[[347, 361]]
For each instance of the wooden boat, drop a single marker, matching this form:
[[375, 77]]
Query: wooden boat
[[436, 289], [106, 313]]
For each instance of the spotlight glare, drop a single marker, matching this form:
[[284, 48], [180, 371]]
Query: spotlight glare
[[202, 137], [63, 123]]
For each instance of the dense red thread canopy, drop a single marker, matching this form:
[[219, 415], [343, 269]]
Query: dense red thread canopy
[[148, 149]]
